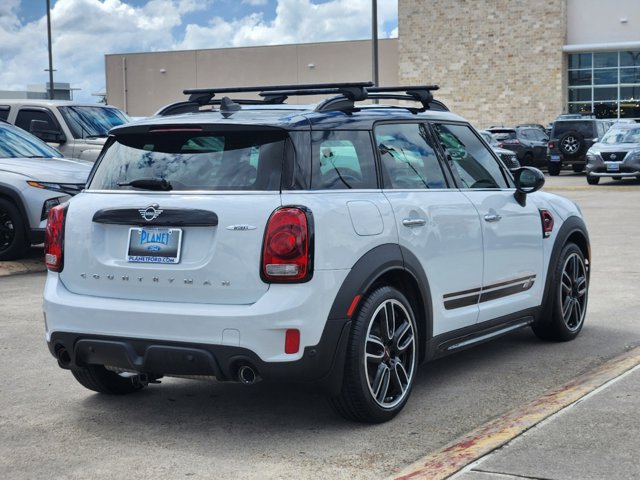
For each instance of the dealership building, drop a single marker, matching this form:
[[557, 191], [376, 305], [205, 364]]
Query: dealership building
[[496, 61]]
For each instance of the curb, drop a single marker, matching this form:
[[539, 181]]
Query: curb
[[453, 457], [27, 265]]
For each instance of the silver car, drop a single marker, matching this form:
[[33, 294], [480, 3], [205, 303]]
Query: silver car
[[616, 155], [33, 179]]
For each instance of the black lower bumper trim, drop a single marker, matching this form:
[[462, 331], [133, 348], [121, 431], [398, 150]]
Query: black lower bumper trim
[[322, 363]]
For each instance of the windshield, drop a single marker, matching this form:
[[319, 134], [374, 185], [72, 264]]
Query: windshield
[[622, 135], [246, 160], [88, 121], [15, 143]]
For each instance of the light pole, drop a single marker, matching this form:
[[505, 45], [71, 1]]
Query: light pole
[[50, 53], [374, 40]]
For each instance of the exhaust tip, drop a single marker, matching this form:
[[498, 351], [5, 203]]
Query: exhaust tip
[[62, 354], [247, 375]]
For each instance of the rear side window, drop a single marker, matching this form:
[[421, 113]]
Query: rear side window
[[237, 160], [342, 160], [408, 157], [25, 116]]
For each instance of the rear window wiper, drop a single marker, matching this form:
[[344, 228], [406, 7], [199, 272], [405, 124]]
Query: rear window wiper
[[148, 184]]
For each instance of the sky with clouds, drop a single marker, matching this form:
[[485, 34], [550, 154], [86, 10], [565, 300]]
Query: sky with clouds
[[84, 31]]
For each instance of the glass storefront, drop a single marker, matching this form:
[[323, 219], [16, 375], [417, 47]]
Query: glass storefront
[[606, 84]]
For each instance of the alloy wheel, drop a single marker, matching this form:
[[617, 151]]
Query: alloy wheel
[[573, 291], [7, 230], [571, 144], [390, 353]]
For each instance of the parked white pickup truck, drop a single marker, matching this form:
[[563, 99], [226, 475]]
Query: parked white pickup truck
[[78, 130]]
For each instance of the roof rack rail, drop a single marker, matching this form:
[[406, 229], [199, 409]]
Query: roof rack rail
[[419, 93], [345, 96]]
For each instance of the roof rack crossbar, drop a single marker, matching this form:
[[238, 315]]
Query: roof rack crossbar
[[346, 94], [275, 88]]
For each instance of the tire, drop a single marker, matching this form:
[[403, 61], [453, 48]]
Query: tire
[[567, 298], [571, 144], [13, 236], [527, 160], [381, 360], [101, 380], [578, 167], [591, 180], [554, 168]]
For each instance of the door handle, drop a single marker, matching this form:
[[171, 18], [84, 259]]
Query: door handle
[[492, 217], [413, 222]]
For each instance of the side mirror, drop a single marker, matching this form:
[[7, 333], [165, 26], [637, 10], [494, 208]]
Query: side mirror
[[528, 180], [40, 129]]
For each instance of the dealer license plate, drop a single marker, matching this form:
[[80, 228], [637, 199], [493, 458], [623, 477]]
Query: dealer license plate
[[154, 245], [555, 158], [612, 166]]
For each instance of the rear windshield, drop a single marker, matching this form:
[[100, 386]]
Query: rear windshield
[[584, 128], [194, 160]]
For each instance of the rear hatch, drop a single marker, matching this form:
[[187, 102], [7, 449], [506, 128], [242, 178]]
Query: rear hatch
[[176, 214]]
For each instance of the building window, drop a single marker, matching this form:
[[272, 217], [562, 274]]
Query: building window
[[606, 84]]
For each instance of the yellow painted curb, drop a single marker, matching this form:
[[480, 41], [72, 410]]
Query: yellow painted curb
[[455, 456]]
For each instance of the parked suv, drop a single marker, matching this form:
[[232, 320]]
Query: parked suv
[[569, 141], [617, 155], [78, 130], [341, 244], [33, 179], [529, 144]]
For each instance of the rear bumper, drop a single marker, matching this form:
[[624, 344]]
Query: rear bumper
[[320, 364], [165, 338]]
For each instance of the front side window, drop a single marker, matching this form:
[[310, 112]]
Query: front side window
[[16, 143], [4, 112], [473, 163], [247, 160], [342, 160], [92, 122], [408, 157]]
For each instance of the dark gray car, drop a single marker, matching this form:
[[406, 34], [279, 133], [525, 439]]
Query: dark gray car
[[617, 155], [529, 144]]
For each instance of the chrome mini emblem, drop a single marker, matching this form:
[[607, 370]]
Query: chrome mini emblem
[[151, 212]]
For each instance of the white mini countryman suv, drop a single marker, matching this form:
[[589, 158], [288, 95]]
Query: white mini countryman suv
[[340, 244]]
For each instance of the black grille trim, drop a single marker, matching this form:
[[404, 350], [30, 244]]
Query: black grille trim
[[168, 217]]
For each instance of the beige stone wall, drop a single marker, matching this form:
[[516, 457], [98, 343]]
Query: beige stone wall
[[496, 61]]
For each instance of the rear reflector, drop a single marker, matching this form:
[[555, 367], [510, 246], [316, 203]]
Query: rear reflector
[[292, 341], [354, 304]]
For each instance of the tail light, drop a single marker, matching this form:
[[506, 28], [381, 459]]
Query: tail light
[[547, 222], [551, 144], [54, 238], [287, 246]]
